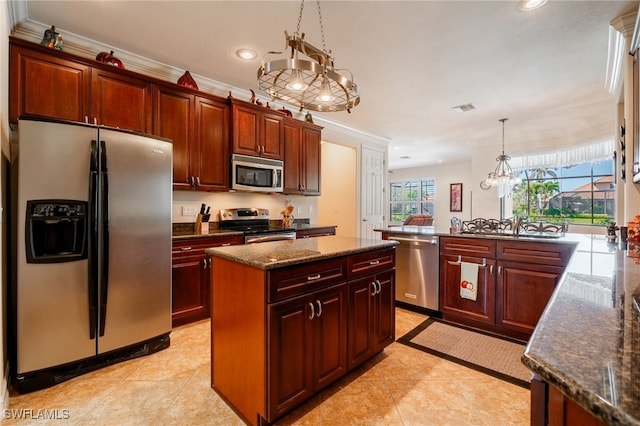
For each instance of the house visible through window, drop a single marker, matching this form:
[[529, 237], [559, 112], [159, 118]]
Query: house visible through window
[[409, 197], [580, 194]]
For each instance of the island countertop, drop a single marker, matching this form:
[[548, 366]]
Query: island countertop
[[276, 254], [587, 342]]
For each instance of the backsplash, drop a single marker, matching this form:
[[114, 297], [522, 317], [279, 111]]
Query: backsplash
[[304, 207]]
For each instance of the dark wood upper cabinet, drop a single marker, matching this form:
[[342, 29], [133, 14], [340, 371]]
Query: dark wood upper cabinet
[[120, 101], [48, 86], [256, 131], [205, 129], [173, 112], [301, 157], [198, 127], [211, 155]]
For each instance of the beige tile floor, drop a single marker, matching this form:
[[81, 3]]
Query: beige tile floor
[[401, 386]]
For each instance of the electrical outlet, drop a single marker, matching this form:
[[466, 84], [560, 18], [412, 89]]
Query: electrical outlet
[[188, 211], [299, 209], [310, 209]]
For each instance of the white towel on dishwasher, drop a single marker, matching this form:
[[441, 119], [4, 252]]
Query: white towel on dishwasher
[[469, 280]]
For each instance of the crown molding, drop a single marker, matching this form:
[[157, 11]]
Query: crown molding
[[33, 31]]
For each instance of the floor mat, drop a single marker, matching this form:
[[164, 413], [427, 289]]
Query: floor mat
[[486, 353]]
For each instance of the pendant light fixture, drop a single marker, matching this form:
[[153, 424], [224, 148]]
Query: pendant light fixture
[[502, 177], [307, 78]]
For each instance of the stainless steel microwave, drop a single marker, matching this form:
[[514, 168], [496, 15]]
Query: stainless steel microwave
[[256, 174]]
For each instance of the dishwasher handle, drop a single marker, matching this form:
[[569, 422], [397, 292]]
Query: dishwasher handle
[[432, 241]]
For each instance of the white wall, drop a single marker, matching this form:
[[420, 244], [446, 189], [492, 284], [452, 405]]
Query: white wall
[[444, 176], [304, 207], [338, 203]]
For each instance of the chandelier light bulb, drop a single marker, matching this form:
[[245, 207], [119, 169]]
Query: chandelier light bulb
[[325, 94], [296, 82]]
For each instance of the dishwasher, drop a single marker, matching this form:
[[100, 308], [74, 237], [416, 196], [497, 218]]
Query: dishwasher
[[417, 266]]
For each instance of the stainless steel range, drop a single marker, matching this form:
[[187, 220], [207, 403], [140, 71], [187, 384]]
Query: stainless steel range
[[254, 222]]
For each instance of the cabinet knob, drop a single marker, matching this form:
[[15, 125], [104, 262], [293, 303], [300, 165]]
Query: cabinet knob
[[197, 180]]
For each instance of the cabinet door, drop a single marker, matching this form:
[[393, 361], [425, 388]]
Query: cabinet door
[[329, 335], [120, 101], [173, 119], [523, 291], [292, 158], [245, 128], [48, 86], [483, 308], [311, 160], [371, 316], [270, 137], [190, 289], [361, 320], [384, 307], [290, 371], [211, 158]]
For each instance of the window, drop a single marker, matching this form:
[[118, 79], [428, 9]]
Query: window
[[411, 197], [581, 194]]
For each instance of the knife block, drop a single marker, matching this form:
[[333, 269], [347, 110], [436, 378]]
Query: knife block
[[200, 226]]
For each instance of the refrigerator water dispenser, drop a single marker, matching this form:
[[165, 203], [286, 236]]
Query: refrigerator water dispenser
[[56, 231]]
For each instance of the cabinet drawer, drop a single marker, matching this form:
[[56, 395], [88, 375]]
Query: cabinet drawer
[[371, 262], [468, 247], [533, 252], [292, 281], [196, 246]]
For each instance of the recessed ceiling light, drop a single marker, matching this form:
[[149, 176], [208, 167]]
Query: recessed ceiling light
[[246, 54], [463, 108], [527, 5]]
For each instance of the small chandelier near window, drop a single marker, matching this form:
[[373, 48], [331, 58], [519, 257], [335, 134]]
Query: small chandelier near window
[[311, 82], [502, 177]]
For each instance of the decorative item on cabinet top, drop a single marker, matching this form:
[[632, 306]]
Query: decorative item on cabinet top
[[108, 58], [187, 81], [52, 39]]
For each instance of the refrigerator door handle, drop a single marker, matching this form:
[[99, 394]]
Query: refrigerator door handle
[[104, 206], [93, 240]]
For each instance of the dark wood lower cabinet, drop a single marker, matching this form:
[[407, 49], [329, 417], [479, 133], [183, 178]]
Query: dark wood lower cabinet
[[371, 316], [550, 407], [191, 278], [298, 369], [523, 291], [515, 282]]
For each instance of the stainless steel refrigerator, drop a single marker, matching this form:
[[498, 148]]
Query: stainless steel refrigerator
[[92, 252]]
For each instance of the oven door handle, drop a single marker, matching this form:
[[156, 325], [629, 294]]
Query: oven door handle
[[271, 237]]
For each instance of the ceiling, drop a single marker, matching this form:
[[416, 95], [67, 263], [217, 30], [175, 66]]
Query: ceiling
[[413, 61]]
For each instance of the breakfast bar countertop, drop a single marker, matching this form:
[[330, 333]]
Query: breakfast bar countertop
[[276, 254], [587, 342]]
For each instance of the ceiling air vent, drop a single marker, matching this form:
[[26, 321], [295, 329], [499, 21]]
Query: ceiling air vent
[[463, 108]]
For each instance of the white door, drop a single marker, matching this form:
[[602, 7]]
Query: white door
[[372, 179]]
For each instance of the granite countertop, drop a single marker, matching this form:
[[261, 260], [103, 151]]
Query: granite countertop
[[504, 236], [587, 342], [276, 254]]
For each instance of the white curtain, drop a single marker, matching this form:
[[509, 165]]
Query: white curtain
[[593, 152]]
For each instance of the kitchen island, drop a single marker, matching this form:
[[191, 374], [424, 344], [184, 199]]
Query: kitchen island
[[585, 351], [291, 317]]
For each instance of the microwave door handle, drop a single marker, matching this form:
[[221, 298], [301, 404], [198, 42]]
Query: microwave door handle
[[275, 178]]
